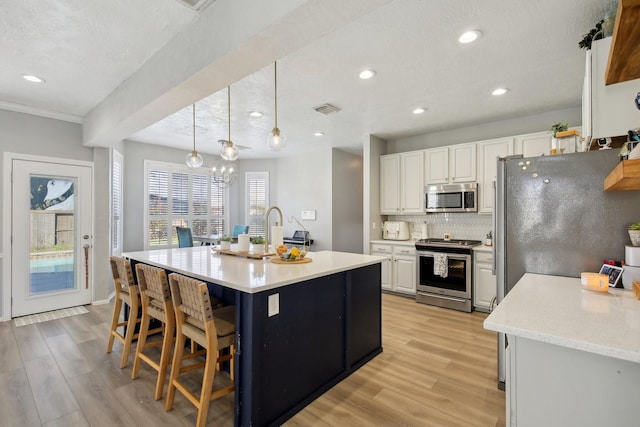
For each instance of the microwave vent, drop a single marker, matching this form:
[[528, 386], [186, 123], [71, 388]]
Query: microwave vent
[[326, 109]]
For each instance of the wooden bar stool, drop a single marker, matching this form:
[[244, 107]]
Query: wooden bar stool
[[127, 292], [156, 301], [214, 330]]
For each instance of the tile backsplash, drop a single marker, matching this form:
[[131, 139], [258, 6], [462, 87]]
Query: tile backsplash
[[461, 225]]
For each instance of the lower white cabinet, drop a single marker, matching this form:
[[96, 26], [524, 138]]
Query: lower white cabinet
[[399, 267], [484, 282]]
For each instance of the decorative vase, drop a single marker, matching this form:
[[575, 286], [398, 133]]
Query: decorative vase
[[225, 245], [257, 249], [488, 242], [635, 237]]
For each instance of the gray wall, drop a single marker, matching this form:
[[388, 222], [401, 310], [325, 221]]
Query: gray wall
[[304, 183], [347, 191], [26, 134], [373, 148], [521, 125]]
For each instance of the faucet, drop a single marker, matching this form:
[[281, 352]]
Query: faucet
[[266, 233]]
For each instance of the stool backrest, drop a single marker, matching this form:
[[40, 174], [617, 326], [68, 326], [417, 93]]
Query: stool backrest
[[122, 274], [192, 303], [153, 282]]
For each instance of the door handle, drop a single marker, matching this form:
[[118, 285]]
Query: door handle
[[86, 264]]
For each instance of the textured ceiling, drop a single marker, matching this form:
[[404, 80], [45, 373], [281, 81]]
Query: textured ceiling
[[529, 46]]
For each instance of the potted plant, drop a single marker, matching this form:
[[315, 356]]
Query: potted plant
[[258, 244], [634, 233], [225, 242], [559, 127], [489, 240]]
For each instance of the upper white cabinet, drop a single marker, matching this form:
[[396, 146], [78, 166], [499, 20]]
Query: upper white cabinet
[[412, 182], [436, 165], [488, 153], [402, 183], [390, 184], [462, 163], [533, 144], [613, 110], [449, 165]]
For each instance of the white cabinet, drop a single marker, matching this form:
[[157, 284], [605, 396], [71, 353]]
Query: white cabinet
[[402, 183], [450, 165], [613, 110], [390, 184], [436, 166], [462, 163], [484, 282], [533, 144], [399, 267], [488, 153]]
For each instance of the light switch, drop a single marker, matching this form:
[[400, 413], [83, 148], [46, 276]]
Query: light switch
[[274, 304]]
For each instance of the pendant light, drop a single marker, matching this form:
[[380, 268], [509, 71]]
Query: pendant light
[[276, 140], [228, 151], [194, 159]]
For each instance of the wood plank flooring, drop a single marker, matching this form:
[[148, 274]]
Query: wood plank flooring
[[438, 368]]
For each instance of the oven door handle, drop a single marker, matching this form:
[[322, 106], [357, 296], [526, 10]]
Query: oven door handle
[[462, 257]]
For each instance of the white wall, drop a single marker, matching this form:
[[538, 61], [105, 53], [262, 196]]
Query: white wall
[[304, 183], [373, 148], [347, 190], [517, 126], [237, 204], [26, 134]]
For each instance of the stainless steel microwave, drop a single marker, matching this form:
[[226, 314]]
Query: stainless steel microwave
[[451, 198]]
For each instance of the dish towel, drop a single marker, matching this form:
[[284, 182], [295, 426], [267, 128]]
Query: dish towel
[[440, 265]]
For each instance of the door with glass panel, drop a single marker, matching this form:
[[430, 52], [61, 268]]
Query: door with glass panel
[[51, 255]]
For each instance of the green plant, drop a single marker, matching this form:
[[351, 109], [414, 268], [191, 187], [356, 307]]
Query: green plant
[[596, 33], [259, 240], [559, 127], [489, 235], [635, 226], [226, 239]]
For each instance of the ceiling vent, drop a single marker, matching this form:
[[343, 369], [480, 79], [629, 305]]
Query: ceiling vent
[[196, 4], [326, 109]]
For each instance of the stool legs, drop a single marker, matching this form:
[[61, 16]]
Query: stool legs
[[117, 308]]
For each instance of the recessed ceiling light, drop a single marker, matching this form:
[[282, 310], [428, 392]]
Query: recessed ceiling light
[[318, 134], [419, 110], [367, 74], [256, 114], [469, 36], [500, 91], [33, 79]]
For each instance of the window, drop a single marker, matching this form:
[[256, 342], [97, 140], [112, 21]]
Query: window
[[257, 191], [116, 203], [178, 196]]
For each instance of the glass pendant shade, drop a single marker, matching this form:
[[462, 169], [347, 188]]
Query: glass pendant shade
[[222, 174], [194, 159], [228, 151], [276, 140]]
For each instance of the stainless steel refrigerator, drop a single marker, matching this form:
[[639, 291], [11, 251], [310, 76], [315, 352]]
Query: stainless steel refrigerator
[[552, 217]]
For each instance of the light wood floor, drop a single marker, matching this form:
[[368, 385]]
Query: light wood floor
[[438, 368]]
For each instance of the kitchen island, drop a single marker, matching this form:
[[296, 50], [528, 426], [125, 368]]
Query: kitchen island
[[300, 329], [573, 357]]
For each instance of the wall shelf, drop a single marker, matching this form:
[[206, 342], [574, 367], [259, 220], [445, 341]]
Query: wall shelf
[[624, 56], [625, 176]]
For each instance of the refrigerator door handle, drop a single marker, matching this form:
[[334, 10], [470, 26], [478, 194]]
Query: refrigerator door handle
[[493, 227]]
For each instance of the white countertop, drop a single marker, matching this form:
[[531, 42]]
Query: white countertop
[[250, 275], [556, 310]]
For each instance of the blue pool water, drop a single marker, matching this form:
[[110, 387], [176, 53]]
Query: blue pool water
[[51, 273]]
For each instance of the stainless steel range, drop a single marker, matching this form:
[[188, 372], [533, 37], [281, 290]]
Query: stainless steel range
[[444, 272]]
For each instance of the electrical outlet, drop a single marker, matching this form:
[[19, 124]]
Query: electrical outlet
[[373, 225], [274, 304]]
